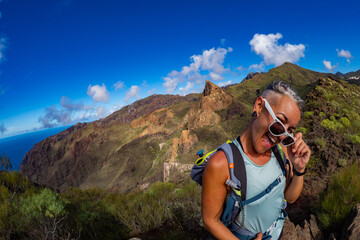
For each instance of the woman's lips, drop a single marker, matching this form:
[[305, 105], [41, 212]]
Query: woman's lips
[[269, 140]]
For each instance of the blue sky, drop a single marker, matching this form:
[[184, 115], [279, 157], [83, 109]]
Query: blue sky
[[65, 61]]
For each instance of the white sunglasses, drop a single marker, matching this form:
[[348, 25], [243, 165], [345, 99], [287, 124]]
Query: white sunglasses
[[277, 128]]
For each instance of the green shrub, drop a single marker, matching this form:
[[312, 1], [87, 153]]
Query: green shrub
[[44, 213], [91, 215], [145, 211], [331, 124], [304, 130], [345, 121], [338, 199], [354, 139], [320, 142], [312, 162], [5, 211], [16, 183], [344, 111], [163, 205], [322, 91], [342, 162], [186, 206], [5, 163], [308, 114], [322, 115]]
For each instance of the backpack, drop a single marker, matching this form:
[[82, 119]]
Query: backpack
[[238, 181]]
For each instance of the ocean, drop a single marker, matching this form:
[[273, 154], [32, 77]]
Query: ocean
[[15, 147]]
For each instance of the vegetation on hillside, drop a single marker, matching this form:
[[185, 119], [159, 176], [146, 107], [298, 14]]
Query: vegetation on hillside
[[5, 163], [331, 125], [165, 210], [339, 198]]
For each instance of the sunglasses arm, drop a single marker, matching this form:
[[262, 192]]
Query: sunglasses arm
[[268, 107]]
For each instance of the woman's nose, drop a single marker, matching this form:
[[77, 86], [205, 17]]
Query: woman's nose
[[282, 137]]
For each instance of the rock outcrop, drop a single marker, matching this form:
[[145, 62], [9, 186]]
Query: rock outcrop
[[309, 231], [351, 230], [154, 122], [203, 112]]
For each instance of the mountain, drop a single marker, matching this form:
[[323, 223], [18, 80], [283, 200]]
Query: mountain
[[351, 77], [129, 148], [339, 74]]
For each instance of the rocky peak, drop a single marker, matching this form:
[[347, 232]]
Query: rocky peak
[[203, 112], [339, 74], [214, 98], [211, 89], [250, 75]]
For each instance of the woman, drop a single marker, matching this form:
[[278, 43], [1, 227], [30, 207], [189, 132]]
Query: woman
[[275, 116]]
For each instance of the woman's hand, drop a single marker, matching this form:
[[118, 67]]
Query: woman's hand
[[299, 153], [258, 236]]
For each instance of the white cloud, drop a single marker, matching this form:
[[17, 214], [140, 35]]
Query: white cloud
[[116, 107], [54, 117], [101, 112], [2, 47], [210, 61], [98, 93], [119, 85], [241, 68], [344, 53], [223, 84], [268, 47], [215, 76], [133, 92], [70, 112], [69, 105], [328, 65], [185, 90], [257, 67]]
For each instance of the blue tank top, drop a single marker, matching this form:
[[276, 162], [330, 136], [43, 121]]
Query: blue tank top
[[261, 215]]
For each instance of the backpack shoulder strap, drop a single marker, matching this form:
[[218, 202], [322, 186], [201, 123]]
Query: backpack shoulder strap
[[280, 156], [236, 166], [239, 169]]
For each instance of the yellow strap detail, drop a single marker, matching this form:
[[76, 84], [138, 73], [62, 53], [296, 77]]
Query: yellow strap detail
[[199, 162], [281, 152], [238, 192]]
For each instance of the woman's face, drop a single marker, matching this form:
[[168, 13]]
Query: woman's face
[[285, 109]]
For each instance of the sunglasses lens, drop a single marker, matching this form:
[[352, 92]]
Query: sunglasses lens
[[277, 129], [288, 141]]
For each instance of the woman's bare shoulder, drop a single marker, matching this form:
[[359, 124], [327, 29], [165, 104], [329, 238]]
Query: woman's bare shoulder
[[218, 164]]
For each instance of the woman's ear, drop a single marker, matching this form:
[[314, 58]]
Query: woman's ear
[[258, 105]]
